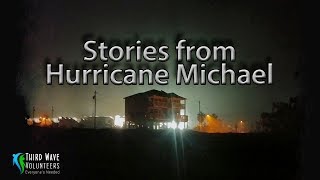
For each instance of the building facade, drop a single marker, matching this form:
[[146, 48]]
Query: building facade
[[155, 109]]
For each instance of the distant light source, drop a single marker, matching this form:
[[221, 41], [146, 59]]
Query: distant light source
[[172, 125], [30, 122], [181, 126], [37, 120], [55, 120], [118, 121]]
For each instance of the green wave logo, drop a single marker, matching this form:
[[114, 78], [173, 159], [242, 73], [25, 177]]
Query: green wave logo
[[19, 161]]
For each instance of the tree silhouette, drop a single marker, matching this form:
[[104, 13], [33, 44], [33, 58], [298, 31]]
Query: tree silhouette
[[284, 118], [214, 115]]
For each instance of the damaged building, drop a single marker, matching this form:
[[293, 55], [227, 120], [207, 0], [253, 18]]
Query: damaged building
[[156, 110]]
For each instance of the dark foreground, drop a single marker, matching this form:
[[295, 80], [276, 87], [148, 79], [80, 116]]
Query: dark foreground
[[167, 154]]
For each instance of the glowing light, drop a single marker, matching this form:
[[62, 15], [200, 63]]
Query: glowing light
[[181, 126], [55, 120], [119, 121], [30, 122], [37, 120], [172, 125], [48, 122], [45, 122]]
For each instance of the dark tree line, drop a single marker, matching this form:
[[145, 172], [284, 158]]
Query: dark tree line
[[285, 117]]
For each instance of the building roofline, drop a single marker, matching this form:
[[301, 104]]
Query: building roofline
[[156, 92]]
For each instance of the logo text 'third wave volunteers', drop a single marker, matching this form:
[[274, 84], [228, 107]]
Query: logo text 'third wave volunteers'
[[28, 161]]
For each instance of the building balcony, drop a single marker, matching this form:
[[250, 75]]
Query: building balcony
[[182, 118], [178, 106]]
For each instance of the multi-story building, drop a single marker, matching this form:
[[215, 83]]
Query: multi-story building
[[155, 109]]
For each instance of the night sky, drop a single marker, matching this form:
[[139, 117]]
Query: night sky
[[257, 29]]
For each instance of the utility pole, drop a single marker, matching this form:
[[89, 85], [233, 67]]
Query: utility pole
[[33, 110], [52, 112], [200, 117], [95, 108]]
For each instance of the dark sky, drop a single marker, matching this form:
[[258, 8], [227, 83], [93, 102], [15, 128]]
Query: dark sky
[[257, 29]]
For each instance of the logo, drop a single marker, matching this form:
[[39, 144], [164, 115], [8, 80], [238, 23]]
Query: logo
[[37, 163], [19, 161]]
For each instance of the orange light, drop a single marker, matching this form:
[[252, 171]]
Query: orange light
[[30, 122]]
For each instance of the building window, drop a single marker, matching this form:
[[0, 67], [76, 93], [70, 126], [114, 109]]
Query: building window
[[182, 112]]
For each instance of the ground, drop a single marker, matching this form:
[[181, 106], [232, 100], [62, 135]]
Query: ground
[[165, 154]]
